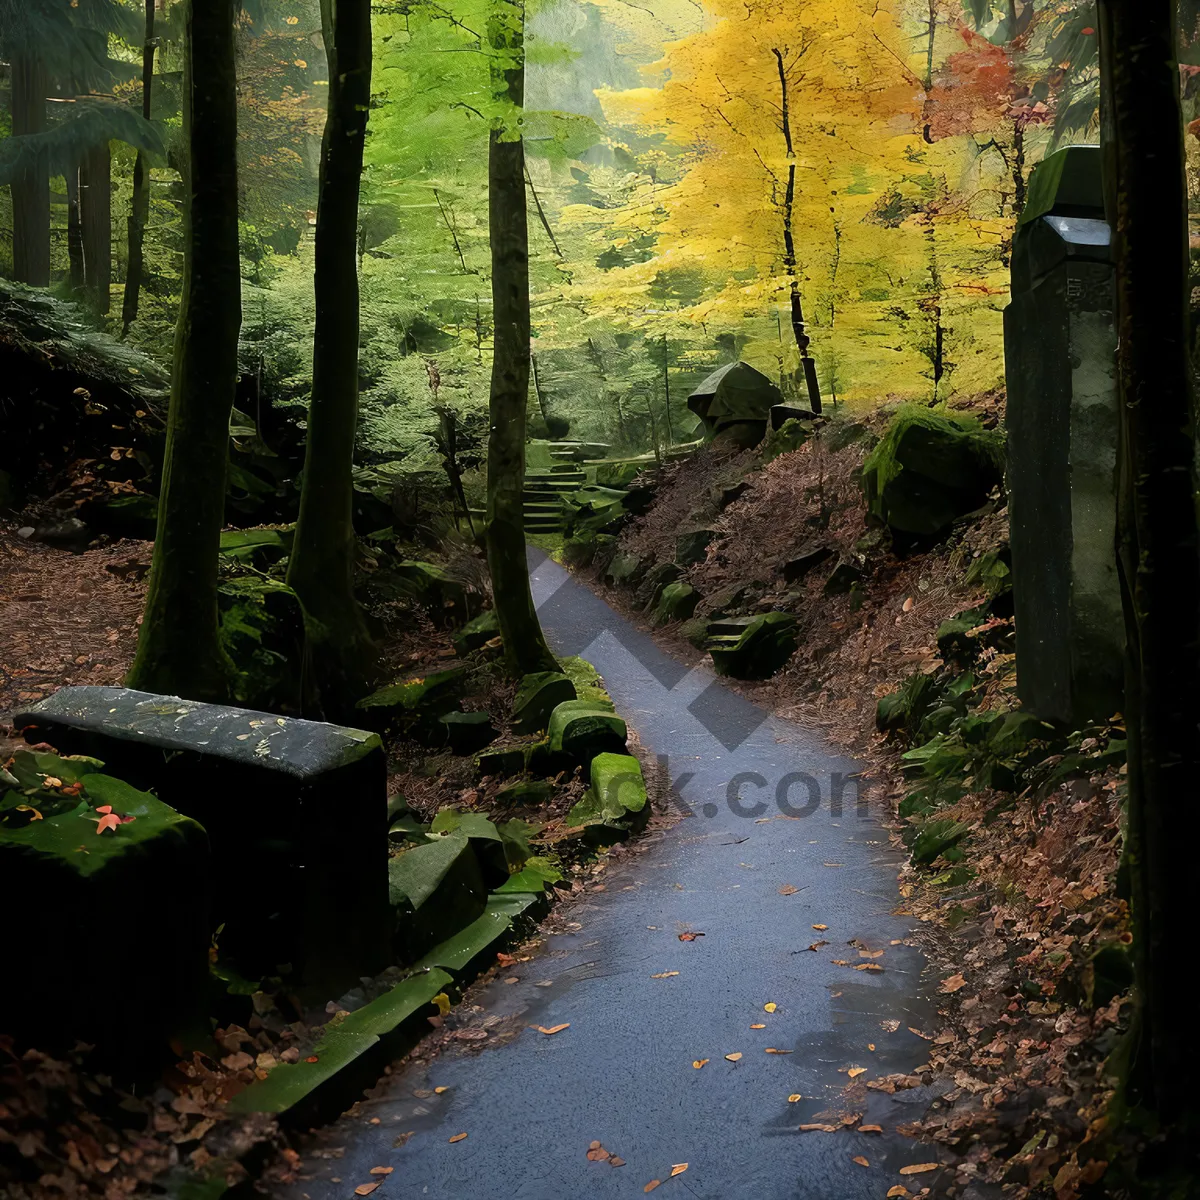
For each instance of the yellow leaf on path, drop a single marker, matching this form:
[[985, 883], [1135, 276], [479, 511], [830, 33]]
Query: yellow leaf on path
[[919, 1168], [381, 1170], [870, 1129], [734, 1056], [772, 1050], [870, 1045], [794, 1097], [437, 1091], [870, 954], [868, 967], [651, 1185], [678, 1169], [818, 1129], [552, 1029], [758, 1027], [862, 1162], [821, 928], [788, 890], [458, 1137], [855, 1072], [699, 1063], [898, 1190], [952, 984], [443, 1003], [771, 1007], [664, 975], [365, 1189]]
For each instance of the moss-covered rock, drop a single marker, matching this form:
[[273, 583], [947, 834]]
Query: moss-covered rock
[[791, 435], [476, 633], [930, 468], [435, 889], [755, 648], [90, 849], [262, 631], [418, 701], [624, 569], [657, 578], [581, 729], [677, 602], [587, 681], [617, 796], [537, 697], [695, 631]]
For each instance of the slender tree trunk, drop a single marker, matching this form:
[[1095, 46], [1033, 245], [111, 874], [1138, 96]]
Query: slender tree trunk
[[1158, 535], [179, 649], [74, 232], [808, 370], [31, 193], [1018, 170], [139, 209], [525, 646], [667, 393], [537, 392], [322, 562], [95, 210]]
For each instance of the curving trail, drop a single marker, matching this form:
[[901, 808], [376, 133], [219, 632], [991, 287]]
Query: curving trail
[[622, 1073]]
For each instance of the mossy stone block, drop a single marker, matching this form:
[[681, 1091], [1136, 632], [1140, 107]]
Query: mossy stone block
[[425, 697], [581, 729], [755, 650], [538, 694], [435, 889]]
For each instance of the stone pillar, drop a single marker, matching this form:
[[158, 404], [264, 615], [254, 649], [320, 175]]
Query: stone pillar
[[1060, 364]]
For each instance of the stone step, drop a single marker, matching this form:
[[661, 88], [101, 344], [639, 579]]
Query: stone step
[[732, 626]]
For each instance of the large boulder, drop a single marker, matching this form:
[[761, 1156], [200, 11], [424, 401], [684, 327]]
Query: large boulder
[[930, 468], [617, 798]]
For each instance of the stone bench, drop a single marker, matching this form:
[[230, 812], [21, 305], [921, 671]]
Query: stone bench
[[295, 811]]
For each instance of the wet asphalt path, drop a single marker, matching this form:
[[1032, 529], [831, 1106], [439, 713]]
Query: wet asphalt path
[[622, 1073]]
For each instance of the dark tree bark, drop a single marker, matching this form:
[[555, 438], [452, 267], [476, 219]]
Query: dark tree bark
[[95, 213], [1158, 533], [74, 232], [179, 649], [139, 208], [322, 563], [808, 369], [525, 646], [31, 193]]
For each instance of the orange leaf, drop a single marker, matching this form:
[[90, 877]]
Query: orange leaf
[[458, 1137], [820, 928], [794, 1097], [105, 808], [862, 1162], [898, 1190], [855, 1072], [678, 1169], [818, 1129], [788, 890], [772, 1050], [699, 1063], [381, 1170], [919, 1168], [758, 1027], [664, 975], [651, 1185], [108, 821], [688, 937], [952, 984], [312, 1058], [437, 1091], [870, 1129], [365, 1189], [735, 1056], [552, 1029]]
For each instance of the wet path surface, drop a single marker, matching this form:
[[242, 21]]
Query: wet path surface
[[622, 1073]]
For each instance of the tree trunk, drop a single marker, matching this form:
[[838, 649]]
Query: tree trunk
[[31, 193], [139, 208], [179, 649], [74, 232], [95, 211], [808, 371], [1158, 535], [322, 562], [525, 648]]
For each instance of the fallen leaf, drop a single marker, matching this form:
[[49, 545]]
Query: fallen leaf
[[772, 1050], [699, 1063], [770, 1007], [381, 1170], [758, 1027], [898, 1190], [818, 1129], [365, 1189], [458, 1137], [597, 1153], [108, 821], [788, 890], [820, 928], [437, 1091], [734, 1056], [870, 1045], [919, 1168], [870, 1129], [794, 1097], [678, 1169], [443, 1003], [855, 1072], [506, 960], [868, 967], [953, 984], [552, 1029], [818, 945], [870, 954], [688, 937], [908, 605], [312, 1058], [651, 1185], [862, 1162], [664, 975], [614, 1161], [52, 781], [890, 1025]]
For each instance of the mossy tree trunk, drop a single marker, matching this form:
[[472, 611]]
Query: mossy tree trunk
[[30, 193], [322, 563], [139, 208], [179, 649], [525, 646], [1158, 532]]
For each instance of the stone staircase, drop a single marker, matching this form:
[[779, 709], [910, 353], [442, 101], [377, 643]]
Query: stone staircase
[[544, 492]]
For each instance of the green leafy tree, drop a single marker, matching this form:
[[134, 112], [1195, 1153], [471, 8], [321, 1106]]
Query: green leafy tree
[[322, 563], [179, 649]]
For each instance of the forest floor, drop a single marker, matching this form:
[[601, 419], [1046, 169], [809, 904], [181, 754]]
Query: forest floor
[[1014, 924]]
